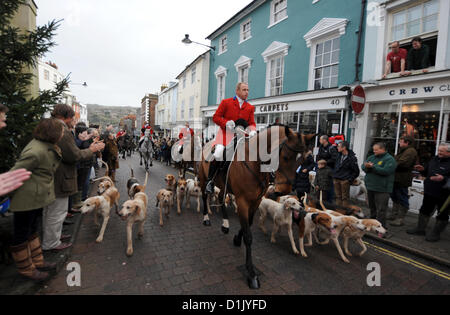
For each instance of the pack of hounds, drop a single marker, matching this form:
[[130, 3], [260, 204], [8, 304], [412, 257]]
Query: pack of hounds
[[314, 218]]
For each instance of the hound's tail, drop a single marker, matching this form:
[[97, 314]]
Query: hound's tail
[[132, 172], [146, 179], [321, 202], [106, 165]]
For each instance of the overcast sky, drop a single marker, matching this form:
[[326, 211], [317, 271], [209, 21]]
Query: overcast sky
[[125, 49]]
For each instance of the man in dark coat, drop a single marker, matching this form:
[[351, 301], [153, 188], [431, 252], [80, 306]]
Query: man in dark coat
[[406, 159], [302, 183], [345, 173], [437, 174]]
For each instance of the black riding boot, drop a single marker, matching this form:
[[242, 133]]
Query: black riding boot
[[214, 166]]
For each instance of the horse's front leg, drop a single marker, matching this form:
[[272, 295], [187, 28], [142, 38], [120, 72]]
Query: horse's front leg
[[252, 278], [206, 221]]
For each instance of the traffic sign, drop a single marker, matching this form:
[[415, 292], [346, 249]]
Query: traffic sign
[[358, 99]]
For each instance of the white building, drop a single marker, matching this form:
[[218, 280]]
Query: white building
[[165, 110], [193, 93], [417, 105]]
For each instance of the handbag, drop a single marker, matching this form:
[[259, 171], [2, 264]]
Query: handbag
[[4, 205]]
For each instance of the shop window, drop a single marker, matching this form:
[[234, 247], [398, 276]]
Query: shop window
[[308, 122], [261, 119], [275, 118], [290, 120], [330, 123]]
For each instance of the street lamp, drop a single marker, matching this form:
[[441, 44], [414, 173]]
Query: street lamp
[[186, 40], [82, 84]]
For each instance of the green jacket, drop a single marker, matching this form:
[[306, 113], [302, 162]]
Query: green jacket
[[42, 159], [381, 177], [406, 159]]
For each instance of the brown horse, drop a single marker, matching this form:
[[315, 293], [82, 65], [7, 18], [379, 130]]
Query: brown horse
[[248, 182], [191, 153]]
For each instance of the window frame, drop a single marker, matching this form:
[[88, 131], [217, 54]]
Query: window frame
[[269, 77], [314, 53], [273, 13], [242, 32], [221, 46], [193, 74]]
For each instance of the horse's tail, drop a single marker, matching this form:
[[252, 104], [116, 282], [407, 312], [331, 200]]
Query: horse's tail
[[107, 167]]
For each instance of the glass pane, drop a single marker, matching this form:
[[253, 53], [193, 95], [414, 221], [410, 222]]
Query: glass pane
[[327, 46], [383, 128], [431, 8], [327, 59], [326, 83], [335, 70], [327, 71], [327, 121], [319, 49], [399, 18], [336, 44], [317, 85], [308, 122], [413, 28], [334, 82], [335, 57], [398, 32], [430, 23], [319, 60], [318, 73], [415, 13]]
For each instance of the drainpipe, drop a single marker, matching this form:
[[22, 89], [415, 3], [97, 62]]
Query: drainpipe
[[360, 31]]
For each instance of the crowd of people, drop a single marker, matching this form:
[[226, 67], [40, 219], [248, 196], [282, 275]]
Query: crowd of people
[[51, 180]]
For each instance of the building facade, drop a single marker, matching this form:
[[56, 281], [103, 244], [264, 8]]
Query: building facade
[[295, 55], [166, 109], [193, 93], [148, 104], [417, 105]]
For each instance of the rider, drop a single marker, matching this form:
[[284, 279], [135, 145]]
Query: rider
[[121, 133], [227, 115], [185, 134], [146, 126]]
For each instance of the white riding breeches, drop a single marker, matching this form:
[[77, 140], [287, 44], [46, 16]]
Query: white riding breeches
[[218, 153]]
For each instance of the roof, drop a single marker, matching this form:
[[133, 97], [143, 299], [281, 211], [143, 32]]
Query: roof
[[190, 65], [236, 18]]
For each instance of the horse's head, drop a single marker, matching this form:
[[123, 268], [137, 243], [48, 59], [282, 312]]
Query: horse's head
[[293, 149]]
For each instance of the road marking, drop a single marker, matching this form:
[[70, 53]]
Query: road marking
[[410, 261]]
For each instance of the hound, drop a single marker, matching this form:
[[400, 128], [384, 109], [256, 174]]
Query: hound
[[370, 225], [281, 213], [164, 201], [230, 199], [181, 193], [135, 210], [193, 189], [133, 186]]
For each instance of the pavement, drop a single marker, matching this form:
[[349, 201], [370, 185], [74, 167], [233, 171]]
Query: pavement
[[184, 257]]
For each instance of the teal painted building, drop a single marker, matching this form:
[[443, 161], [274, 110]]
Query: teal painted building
[[295, 54]]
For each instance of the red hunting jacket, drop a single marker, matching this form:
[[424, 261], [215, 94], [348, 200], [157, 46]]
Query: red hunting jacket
[[185, 134], [229, 110]]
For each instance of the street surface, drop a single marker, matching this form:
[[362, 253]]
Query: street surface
[[185, 257]]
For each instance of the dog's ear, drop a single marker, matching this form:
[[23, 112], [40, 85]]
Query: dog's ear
[[314, 217]]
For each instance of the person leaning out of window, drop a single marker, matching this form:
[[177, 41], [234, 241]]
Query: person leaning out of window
[[418, 56], [396, 60], [41, 157]]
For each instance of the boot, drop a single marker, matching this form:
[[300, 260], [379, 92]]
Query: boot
[[213, 168], [399, 221], [36, 254], [435, 234], [22, 256], [421, 225], [76, 200], [394, 212]]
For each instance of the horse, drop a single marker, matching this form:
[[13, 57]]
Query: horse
[[249, 183], [146, 151]]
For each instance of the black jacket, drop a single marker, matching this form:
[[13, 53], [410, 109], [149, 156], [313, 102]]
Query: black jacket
[[346, 169], [329, 154], [440, 167], [302, 179]]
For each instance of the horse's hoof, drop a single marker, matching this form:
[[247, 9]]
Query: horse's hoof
[[253, 283], [207, 223], [225, 230], [237, 241]]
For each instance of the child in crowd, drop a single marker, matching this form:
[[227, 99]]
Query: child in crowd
[[323, 180]]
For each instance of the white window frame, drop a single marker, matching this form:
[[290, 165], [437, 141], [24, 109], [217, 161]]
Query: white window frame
[[273, 13], [313, 53], [46, 75], [184, 81], [182, 110], [326, 29], [191, 107], [221, 46], [242, 32], [270, 77], [274, 51], [221, 76]]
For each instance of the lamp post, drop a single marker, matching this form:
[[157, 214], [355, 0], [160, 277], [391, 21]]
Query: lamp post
[[186, 40], [84, 84]]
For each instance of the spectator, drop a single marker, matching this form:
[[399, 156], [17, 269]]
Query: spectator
[[10, 181], [406, 159], [380, 175], [104, 138], [396, 60], [302, 183], [329, 153], [65, 180], [344, 173], [82, 139], [437, 174], [41, 157], [418, 56], [113, 156], [323, 180]]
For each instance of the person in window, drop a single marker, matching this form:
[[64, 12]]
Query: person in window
[[418, 56], [396, 60]]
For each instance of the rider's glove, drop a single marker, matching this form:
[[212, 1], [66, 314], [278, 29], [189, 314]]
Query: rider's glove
[[230, 125], [252, 133]]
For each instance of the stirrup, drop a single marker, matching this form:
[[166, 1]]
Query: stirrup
[[210, 187]]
